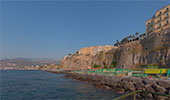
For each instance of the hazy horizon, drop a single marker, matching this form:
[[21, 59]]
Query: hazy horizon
[[55, 28], [30, 58]]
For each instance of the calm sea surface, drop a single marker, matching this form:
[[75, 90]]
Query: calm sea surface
[[41, 85]]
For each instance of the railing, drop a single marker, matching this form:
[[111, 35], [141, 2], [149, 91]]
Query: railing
[[166, 17], [140, 91], [166, 11], [158, 27], [159, 21], [162, 19], [166, 24], [159, 15], [162, 13]]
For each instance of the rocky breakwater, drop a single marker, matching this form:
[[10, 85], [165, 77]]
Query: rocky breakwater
[[127, 84]]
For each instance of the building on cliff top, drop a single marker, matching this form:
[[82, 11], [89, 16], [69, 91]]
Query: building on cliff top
[[94, 50], [159, 22]]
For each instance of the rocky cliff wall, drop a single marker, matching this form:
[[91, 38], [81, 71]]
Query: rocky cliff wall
[[100, 55], [155, 49]]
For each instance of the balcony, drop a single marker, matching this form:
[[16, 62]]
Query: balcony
[[166, 24], [166, 11], [159, 21], [149, 31], [166, 17], [159, 15], [159, 27]]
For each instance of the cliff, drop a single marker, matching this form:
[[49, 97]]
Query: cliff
[[86, 57], [155, 49]]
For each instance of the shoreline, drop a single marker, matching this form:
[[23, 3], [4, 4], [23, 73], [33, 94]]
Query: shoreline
[[123, 85], [119, 84]]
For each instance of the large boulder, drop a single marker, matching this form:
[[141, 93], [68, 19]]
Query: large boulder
[[140, 86], [119, 90], [149, 82], [150, 97], [128, 86], [159, 89], [150, 89], [120, 84], [165, 84], [136, 80], [126, 79], [156, 97], [109, 81]]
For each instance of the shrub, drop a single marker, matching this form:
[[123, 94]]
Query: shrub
[[97, 66], [113, 64]]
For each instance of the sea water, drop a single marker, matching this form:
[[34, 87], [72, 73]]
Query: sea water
[[41, 85]]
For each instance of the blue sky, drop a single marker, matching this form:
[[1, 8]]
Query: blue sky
[[54, 28]]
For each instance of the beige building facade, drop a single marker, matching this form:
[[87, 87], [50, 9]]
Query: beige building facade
[[159, 22]]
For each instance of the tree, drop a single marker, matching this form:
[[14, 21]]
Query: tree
[[131, 37], [117, 43], [113, 64], [136, 34], [124, 40], [97, 66], [69, 54]]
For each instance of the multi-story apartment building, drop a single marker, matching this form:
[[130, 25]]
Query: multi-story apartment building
[[159, 22]]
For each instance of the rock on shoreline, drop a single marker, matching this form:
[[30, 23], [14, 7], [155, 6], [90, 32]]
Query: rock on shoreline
[[127, 84]]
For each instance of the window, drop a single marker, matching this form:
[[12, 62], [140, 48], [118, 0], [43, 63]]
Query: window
[[167, 15], [167, 9], [152, 22], [160, 18], [167, 21], [160, 13], [160, 25]]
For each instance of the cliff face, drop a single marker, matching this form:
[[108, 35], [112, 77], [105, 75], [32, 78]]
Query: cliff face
[[129, 54], [86, 57], [155, 49]]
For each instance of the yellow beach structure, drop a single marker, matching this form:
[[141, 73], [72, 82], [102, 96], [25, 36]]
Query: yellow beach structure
[[159, 22]]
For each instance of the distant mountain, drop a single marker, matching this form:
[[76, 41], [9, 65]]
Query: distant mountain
[[22, 62]]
